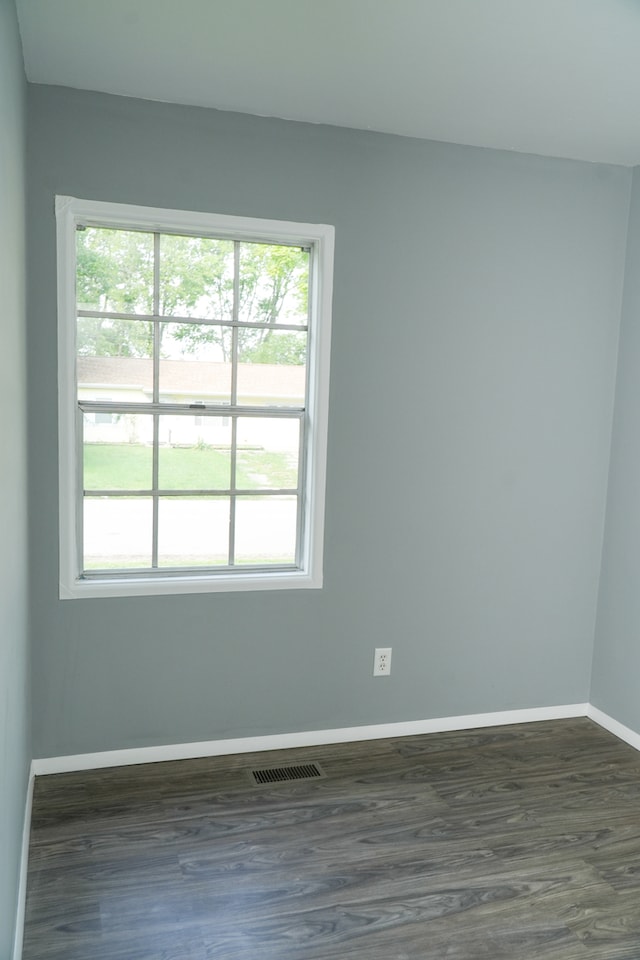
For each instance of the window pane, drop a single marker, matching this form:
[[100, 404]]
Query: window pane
[[114, 270], [196, 277], [120, 340], [114, 360], [118, 452], [193, 532], [266, 530], [195, 363], [117, 532], [194, 456], [271, 368], [274, 284], [268, 452]]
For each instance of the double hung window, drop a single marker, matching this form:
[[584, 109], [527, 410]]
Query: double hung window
[[193, 392]]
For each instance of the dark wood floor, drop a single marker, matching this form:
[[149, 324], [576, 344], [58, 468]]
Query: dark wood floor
[[514, 842]]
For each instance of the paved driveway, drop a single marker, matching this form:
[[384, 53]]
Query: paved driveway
[[190, 532]]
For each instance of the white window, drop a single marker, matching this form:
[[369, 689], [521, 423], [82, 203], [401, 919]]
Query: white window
[[193, 397]]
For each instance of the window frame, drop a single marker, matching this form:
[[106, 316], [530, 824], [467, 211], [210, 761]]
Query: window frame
[[319, 238]]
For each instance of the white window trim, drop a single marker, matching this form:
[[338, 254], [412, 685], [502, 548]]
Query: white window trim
[[69, 212]]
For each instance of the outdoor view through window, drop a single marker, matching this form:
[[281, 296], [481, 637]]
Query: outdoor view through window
[[191, 373]]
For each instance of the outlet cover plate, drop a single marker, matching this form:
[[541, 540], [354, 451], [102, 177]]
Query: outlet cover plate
[[382, 661]]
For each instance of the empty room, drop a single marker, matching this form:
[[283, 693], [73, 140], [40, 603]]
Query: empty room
[[320, 480]]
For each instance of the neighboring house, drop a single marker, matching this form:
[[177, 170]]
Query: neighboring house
[[129, 380]]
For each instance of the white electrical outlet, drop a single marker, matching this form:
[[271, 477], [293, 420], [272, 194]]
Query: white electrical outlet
[[382, 661]]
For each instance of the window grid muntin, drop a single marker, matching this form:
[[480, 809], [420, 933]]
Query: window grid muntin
[[235, 411]]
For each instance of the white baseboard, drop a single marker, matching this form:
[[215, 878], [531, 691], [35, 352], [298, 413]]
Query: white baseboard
[[24, 862], [614, 726], [310, 738]]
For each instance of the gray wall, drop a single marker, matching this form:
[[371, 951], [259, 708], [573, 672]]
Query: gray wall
[[476, 319], [15, 747], [616, 662]]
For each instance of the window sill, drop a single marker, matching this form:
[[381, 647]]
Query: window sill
[[172, 586]]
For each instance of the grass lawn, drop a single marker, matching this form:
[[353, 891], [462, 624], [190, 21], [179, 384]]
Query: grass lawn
[[123, 466]]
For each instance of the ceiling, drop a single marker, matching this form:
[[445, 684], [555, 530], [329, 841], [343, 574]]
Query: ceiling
[[553, 77]]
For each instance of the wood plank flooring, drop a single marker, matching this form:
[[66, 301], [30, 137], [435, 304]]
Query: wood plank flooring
[[518, 842]]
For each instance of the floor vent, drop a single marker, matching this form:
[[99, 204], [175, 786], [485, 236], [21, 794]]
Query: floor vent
[[299, 771]]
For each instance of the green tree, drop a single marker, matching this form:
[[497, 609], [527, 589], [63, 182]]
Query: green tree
[[276, 347], [114, 275], [115, 270]]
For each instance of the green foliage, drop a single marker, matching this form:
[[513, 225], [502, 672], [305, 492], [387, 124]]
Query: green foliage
[[114, 275], [285, 347], [115, 270], [106, 337]]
